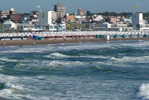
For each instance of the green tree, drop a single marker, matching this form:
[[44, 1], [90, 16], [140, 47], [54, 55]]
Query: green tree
[[88, 13]]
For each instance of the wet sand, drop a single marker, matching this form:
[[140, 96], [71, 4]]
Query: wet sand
[[57, 41]]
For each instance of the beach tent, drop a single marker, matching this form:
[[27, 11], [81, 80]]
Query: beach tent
[[101, 36], [115, 35], [35, 37], [123, 36], [96, 36], [145, 35], [130, 35], [39, 38]]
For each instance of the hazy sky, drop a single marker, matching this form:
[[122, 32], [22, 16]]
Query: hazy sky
[[72, 5]]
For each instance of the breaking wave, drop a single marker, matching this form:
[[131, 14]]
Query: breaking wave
[[10, 90], [144, 91], [2, 86], [24, 50], [141, 59], [8, 60], [74, 70], [67, 63], [56, 55], [60, 55]]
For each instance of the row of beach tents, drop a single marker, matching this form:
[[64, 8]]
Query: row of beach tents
[[64, 35]]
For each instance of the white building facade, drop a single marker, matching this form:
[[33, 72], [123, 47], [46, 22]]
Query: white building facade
[[138, 22], [9, 25], [47, 20], [47, 17]]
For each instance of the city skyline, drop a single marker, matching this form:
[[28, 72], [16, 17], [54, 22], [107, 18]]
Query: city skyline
[[92, 5]]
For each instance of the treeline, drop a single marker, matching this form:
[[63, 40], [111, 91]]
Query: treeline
[[107, 13]]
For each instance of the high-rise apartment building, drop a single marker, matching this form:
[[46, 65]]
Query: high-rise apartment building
[[81, 12], [60, 10], [137, 20]]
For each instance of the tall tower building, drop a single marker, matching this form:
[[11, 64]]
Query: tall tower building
[[60, 10], [137, 20], [81, 12]]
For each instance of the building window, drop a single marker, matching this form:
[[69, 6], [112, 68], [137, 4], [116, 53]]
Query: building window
[[47, 27]]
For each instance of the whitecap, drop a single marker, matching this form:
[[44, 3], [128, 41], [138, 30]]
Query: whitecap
[[141, 59], [60, 55], [67, 63], [144, 91], [14, 86], [24, 50], [11, 91], [94, 56], [138, 44], [8, 60], [56, 55]]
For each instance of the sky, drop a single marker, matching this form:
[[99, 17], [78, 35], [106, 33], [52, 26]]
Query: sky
[[95, 6]]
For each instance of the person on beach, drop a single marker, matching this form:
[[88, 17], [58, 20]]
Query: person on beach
[[4, 43], [34, 44]]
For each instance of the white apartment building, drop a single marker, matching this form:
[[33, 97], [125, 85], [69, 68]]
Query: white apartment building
[[47, 20], [47, 17]]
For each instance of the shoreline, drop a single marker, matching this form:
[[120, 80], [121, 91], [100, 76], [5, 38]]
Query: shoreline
[[58, 41]]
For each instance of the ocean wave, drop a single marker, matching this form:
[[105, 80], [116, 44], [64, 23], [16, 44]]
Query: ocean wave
[[144, 91], [11, 87], [8, 60], [2, 85], [138, 44], [67, 63], [14, 86], [99, 56], [11, 91], [56, 47], [141, 59], [23, 50], [60, 55], [56, 55], [126, 61], [75, 46], [46, 65]]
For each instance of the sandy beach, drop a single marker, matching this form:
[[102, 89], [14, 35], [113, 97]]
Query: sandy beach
[[57, 41]]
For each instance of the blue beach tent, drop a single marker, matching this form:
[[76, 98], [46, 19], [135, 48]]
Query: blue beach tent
[[130, 35], [138, 35], [35, 37]]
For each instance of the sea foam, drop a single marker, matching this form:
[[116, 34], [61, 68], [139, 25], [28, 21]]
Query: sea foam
[[144, 91], [141, 59], [8, 60], [56, 55]]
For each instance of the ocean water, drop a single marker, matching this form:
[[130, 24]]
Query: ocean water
[[116, 70]]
